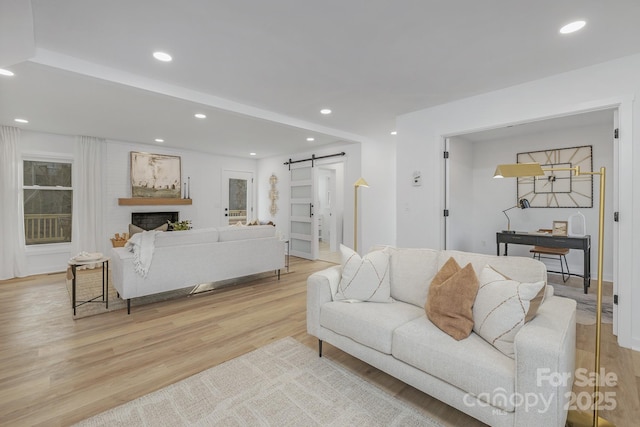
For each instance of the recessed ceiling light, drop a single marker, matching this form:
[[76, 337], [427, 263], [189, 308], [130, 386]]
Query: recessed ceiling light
[[325, 111], [310, 139], [7, 73], [162, 56], [159, 140], [572, 27], [252, 154], [200, 116], [21, 120], [394, 132]]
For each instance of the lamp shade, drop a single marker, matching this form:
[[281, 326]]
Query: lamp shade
[[518, 170], [361, 183]]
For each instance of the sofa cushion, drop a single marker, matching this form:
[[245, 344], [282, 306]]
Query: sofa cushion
[[364, 278], [134, 229], [368, 323], [471, 364], [503, 306], [450, 299], [187, 237], [229, 233], [411, 272]]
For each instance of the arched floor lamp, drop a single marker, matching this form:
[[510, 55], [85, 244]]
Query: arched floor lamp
[[575, 418], [359, 183]]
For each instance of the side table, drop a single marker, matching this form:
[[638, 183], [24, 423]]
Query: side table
[[105, 282]]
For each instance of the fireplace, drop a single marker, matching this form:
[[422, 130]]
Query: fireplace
[[151, 220]]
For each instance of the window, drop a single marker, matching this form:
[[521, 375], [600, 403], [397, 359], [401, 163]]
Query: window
[[48, 198]]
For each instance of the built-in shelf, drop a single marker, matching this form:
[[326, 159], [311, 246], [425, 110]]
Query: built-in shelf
[[133, 201]]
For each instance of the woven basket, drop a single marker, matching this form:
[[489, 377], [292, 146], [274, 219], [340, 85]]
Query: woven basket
[[118, 243]]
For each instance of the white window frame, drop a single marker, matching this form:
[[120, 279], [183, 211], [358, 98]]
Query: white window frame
[[46, 248]]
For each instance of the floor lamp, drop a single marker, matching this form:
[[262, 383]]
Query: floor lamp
[[359, 183], [575, 418]]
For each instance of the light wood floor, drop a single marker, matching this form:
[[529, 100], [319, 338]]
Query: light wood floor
[[55, 371]]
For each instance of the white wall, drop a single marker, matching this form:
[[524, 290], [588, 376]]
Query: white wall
[[275, 165], [611, 84], [371, 160], [490, 196], [205, 171]]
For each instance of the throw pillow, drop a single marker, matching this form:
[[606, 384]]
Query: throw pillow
[[133, 229], [450, 299], [503, 306], [364, 278]]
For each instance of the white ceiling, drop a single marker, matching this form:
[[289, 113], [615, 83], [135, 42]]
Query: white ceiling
[[262, 70]]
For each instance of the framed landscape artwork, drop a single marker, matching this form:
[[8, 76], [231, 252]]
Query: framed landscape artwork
[[155, 175]]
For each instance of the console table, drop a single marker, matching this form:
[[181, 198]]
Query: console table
[[550, 241]]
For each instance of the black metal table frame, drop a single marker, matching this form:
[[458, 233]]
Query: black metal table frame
[[105, 283], [531, 239]]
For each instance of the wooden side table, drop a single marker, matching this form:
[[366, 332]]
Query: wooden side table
[[105, 282]]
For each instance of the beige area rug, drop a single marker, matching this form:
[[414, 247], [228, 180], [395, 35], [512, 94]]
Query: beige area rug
[[282, 384], [586, 311], [89, 285]]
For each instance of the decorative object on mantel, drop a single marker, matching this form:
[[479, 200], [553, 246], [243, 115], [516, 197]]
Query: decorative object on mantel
[[273, 195], [180, 225], [558, 187], [155, 175]]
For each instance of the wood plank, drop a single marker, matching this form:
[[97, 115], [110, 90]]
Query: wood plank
[[148, 201]]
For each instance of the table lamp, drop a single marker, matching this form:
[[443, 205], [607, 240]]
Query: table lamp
[[522, 204]]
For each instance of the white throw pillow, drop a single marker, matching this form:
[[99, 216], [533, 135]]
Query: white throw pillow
[[502, 307], [364, 278]]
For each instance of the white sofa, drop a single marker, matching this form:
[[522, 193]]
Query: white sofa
[[187, 258], [471, 374]]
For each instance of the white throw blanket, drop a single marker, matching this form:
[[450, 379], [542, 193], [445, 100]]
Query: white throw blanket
[[142, 245]]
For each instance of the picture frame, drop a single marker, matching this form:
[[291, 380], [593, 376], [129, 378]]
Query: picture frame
[[560, 228], [155, 175]]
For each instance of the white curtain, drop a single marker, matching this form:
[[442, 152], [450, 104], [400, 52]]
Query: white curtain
[[13, 259], [88, 219]]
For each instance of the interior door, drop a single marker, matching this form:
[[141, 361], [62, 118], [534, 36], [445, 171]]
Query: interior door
[[303, 232], [237, 197]]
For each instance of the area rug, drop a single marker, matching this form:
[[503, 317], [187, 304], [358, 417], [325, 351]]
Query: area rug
[[89, 285], [284, 383], [586, 311]]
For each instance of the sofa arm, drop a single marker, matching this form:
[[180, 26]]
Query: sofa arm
[[545, 351], [321, 287]]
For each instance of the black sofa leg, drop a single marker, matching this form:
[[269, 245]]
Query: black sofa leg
[[129, 306], [319, 348], [278, 274]]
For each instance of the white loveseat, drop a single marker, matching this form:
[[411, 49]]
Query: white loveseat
[[471, 374], [187, 258]]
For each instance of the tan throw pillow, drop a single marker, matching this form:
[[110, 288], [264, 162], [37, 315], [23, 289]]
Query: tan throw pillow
[[503, 306], [364, 278], [133, 229], [450, 299]]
